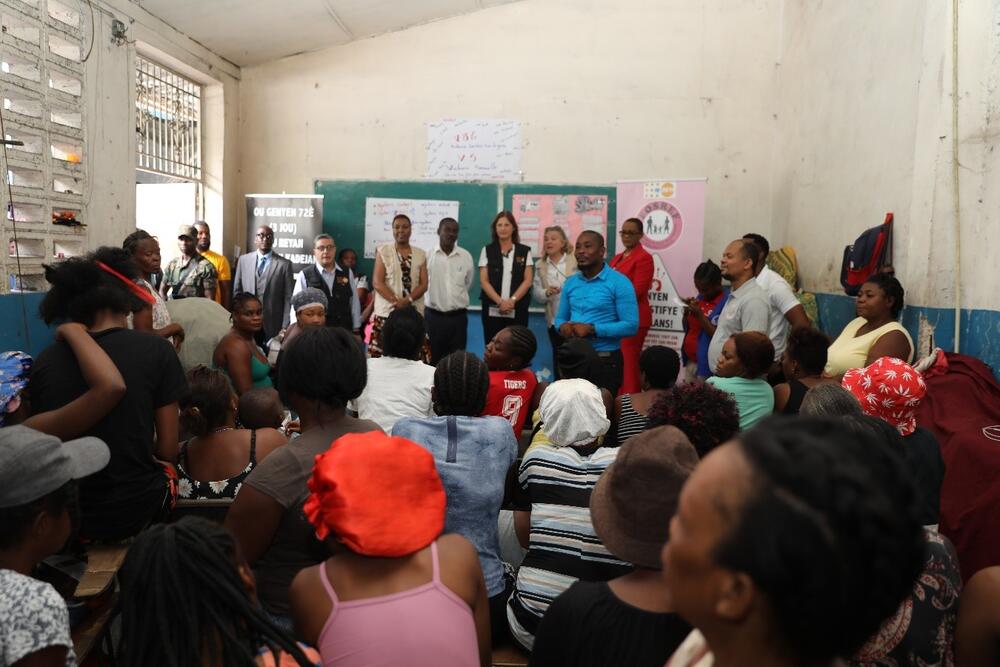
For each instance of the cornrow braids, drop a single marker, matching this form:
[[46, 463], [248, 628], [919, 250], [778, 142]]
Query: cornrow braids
[[461, 383], [830, 533], [184, 603], [132, 241], [522, 344]]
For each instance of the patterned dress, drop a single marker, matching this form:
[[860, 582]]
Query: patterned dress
[[378, 323]]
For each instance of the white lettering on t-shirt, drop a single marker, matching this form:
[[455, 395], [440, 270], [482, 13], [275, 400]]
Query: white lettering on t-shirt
[[515, 384]]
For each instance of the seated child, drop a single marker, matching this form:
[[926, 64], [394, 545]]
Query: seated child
[[514, 391], [261, 407]]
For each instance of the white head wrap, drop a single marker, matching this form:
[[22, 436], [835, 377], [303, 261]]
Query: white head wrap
[[573, 413]]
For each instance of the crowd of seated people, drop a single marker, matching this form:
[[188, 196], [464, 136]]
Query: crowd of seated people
[[683, 524]]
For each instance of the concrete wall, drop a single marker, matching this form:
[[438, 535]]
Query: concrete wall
[[606, 91], [110, 93]]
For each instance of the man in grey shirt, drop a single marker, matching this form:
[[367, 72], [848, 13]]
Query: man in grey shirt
[[748, 308]]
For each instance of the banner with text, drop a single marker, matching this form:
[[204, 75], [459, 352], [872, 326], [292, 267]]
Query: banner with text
[[424, 214], [295, 220], [574, 213], [673, 225]]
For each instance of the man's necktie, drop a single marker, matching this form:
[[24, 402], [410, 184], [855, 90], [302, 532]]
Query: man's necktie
[[261, 263]]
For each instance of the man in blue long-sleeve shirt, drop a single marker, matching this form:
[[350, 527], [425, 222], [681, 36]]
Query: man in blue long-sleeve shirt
[[598, 303]]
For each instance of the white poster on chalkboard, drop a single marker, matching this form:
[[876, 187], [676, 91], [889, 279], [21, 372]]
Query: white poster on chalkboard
[[465, 149], [424, 214]]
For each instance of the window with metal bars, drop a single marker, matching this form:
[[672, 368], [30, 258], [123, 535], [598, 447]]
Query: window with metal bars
[[168, 121]]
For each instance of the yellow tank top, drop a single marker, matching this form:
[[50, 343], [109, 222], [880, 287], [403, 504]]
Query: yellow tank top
[[851, 351]]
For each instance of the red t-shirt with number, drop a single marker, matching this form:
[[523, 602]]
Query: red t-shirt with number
[[510, 396]]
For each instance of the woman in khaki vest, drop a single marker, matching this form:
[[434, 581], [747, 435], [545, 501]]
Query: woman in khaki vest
[[556, 265]]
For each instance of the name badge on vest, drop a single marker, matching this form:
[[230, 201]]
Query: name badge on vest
[[519, 260], [343, 280]]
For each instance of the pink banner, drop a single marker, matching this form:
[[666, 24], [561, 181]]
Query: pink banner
[[673, 224], [574, 213]]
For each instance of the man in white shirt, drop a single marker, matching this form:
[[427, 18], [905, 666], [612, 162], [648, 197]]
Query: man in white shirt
[[449, 275], [338, 284], [786, 311]]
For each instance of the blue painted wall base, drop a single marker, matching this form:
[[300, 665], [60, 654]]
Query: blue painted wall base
[[980, 328]]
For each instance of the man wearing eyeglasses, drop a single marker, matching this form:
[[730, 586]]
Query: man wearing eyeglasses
[[268, 275]]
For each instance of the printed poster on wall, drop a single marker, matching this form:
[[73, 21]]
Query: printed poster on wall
[[424, 214], [673, 219], [474, 149], [574, 213], [295, 219]]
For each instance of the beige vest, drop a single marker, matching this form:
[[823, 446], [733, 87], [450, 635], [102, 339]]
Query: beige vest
[[542, 269], [394, 277]]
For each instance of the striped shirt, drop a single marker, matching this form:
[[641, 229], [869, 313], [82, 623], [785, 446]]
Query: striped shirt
[[630, 422], [563, 546]]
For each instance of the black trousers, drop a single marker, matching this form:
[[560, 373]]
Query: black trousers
[[556, 340], [447, 332], [612, 366]]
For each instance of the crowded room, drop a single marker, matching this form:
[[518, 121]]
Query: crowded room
[[366, 333]]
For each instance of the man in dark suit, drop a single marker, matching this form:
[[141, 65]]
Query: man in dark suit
[[268, 275]]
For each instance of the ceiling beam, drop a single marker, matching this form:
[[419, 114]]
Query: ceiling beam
[[336, 19]]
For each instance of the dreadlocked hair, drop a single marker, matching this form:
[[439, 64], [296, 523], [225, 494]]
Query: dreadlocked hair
[[80, 288], [461, 382], [242, 299], [706, 415], [522, 344], [829, 533], [183, 602]]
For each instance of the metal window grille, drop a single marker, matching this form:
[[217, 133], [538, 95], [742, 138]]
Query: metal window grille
[[168, 121]]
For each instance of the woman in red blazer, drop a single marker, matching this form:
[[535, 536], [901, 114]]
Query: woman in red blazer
[[637, 265]]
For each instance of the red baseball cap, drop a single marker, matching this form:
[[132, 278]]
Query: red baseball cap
[[378, 495]]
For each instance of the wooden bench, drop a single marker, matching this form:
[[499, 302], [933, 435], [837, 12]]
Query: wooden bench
[[509, 655], [213, 509], [96, 590]]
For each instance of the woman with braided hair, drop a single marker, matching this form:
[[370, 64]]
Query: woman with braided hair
[[473, 455], [514, 391], [189, 598], [791, 545]]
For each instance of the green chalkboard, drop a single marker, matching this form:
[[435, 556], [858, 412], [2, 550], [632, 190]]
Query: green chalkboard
[[344, 212]]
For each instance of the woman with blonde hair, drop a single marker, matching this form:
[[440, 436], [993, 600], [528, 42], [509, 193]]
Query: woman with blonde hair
[[551, 271]]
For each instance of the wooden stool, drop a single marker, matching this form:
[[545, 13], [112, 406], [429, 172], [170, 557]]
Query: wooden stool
[[96, 589]]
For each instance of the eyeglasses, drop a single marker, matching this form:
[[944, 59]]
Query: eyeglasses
[[628, 232], [265, 235]]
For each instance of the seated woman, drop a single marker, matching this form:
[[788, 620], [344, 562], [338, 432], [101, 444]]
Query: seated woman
[[396, 591], [829, 400], [553, 519], [628, 620], [237, 353], [875, 332], [99, 291], [38, 511], [188, 598], [658, 370], [399, 384], [514, 391], [802, 365], [309, 306], [892, 390], [706, 415], [922, 629], [321, 370], [215, 462], [766, 558], [106, 388], [742, 366], [473, 455]]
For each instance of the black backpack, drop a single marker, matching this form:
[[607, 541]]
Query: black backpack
[[870, 253]]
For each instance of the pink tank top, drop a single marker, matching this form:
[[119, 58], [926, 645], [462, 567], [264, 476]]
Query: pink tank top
[[426, 625]]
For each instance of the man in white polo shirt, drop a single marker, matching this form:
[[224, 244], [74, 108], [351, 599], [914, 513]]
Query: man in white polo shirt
[[449, 274], [786, 311]]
